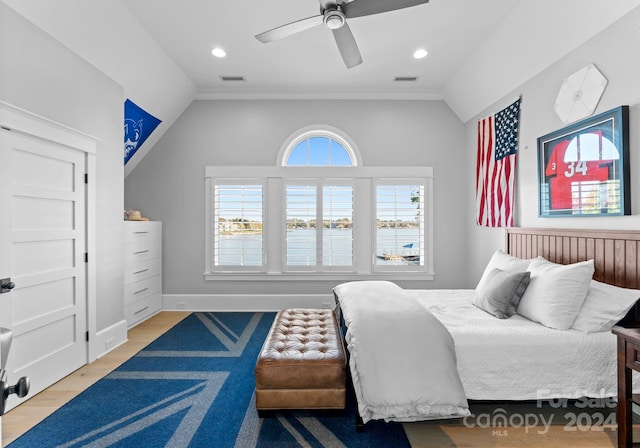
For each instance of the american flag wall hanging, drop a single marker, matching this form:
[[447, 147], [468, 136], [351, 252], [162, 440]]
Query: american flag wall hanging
[[496, 167]]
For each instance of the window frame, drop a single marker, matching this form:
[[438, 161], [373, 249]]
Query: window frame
[[363, 212]]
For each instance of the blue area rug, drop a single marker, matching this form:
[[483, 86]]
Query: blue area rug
[[193, 387]]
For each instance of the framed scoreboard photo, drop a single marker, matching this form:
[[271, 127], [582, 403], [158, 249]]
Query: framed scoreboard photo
[[583, 169]]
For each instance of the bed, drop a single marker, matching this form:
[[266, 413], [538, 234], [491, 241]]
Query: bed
[[493, 358]]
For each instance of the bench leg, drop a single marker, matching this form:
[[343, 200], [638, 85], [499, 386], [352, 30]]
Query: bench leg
[[265, 413], [359, 422]]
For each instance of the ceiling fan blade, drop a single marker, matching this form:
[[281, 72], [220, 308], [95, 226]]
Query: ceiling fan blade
[[359, 8], [347, 46], [289, 29]]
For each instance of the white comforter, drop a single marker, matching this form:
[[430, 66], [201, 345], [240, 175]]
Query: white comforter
[[403, 360], [517, 359]]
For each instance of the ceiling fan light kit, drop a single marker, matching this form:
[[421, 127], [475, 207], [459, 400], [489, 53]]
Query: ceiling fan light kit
[[334, 16], [334, 19]]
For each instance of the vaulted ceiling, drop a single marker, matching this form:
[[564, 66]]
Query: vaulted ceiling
[[160, 51], [309, 63]]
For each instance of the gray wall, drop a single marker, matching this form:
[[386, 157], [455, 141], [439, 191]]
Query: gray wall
[[168, 185], [42, 76], [614, 52]]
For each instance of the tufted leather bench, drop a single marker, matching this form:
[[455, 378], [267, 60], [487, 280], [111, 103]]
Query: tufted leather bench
[[302, 363]]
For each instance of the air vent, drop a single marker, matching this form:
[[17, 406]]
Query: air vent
[[405, 79], [232, 78]]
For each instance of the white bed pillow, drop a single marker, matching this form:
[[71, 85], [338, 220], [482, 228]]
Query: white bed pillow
[[604, 306], [504, 262], [556, 292]]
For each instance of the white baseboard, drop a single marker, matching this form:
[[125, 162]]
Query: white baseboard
[[244, 302], [106, 340]]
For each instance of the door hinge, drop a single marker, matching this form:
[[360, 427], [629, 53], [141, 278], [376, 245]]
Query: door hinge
[[87, 336], [86, 257], [86, 178]]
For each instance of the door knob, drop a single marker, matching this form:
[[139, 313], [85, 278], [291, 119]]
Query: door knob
[[21, 389]]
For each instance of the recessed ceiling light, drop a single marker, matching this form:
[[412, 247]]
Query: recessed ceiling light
[[420, 53], [218, 52]]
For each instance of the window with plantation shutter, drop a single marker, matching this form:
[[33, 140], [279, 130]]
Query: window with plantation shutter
[[238, 226]]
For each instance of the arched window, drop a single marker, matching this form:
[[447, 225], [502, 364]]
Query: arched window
[[319, 146], [319, 151]]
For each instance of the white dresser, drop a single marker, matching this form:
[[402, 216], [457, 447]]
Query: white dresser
[[142, 270]]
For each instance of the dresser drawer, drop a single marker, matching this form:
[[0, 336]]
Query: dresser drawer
[[140, 231], [142, 269], [142, 309], [142, 250], [143, 288]]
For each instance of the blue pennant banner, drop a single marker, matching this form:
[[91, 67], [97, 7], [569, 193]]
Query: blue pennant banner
[[138, 126]]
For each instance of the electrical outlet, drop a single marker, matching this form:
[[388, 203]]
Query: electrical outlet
[[181, 305], [328, 305]]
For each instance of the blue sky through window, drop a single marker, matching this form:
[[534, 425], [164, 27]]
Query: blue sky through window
[[319, 151]]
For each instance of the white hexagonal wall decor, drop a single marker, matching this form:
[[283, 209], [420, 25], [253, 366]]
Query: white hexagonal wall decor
[[579, 94]]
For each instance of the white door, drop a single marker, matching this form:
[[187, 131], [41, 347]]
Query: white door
[[42, 243]]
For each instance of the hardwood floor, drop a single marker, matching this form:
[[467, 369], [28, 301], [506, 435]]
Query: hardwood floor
[[22, 418]]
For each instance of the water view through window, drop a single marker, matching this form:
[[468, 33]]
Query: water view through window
[[399, 227], [399, 224], [239, 237]]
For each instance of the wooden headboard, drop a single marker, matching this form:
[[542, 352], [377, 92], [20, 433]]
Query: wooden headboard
[[616, 253]]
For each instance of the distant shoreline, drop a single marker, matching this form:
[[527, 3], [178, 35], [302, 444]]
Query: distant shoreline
[[259, 231], [240, 232]]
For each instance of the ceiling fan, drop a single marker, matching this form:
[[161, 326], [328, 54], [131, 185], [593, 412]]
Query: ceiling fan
[[334, 16]]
